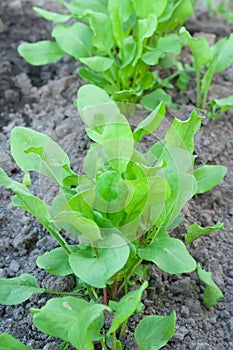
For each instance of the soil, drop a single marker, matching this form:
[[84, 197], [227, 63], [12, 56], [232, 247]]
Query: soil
[[41, 98]]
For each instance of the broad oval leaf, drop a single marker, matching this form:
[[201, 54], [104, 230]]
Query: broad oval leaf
[[153, 332], [113, 253], [75, 39], [18, 289], [169, 254], [146, 7], [71, 319], [209, 176], [34, 151], [81, 224], [40, 53], [55, 262], [97, 63], [7, 342]]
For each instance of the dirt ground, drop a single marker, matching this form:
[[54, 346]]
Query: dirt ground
[[41, 98]]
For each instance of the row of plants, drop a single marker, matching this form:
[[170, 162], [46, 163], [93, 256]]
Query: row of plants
[[126, 46], [123, 207]]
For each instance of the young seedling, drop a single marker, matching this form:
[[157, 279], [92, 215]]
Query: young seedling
[[216, 59], [121, 208]]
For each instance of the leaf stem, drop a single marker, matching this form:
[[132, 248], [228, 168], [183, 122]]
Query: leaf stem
[[48, 291], [105, 296], [104, 347], [198, 81], [130, 275], [114, 341], [56, 234]]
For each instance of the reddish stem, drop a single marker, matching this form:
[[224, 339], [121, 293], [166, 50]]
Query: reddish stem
[[113, 289], [105, 296]]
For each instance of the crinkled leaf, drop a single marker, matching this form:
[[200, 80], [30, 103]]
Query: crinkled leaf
[[18, 289], [113, 253], [126, 307], [195, 231], [34, 151], [169, 254], [209, 176], [97, 63], [52, 16], [212, 292], [75, 39], [69, 319], [55, 262], [107, 185], [7, 342], [40, 53], [151, 123], [153, 332]]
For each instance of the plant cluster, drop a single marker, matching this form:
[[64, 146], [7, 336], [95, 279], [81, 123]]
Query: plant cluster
[[119, 44], [124, 45], [122, 209]]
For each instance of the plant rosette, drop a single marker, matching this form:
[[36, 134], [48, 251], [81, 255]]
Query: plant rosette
[[120, 210]]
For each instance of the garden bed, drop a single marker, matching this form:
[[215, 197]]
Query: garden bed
[[41, 98]]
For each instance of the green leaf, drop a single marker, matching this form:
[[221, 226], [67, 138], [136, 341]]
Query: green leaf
[[7, 342], [224, 104], [181, 133], [195, 231], [103, 37], [70, 319], [26, 200], [169, 254], [55, 262], [80, 8], [126, 307], [107, 185], [82, 225], [153, 332], [75, 39], [212, 292], [34, 151], [40, 53], [113, 253], [201, 51], [18, 289], [146, 28], [209, 176], [151, 123], [154, 98], [146, 7], [118, 143], [168, 44], [95, 106], [222, 58], [97, 63], [52, 16], [92, 77]]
